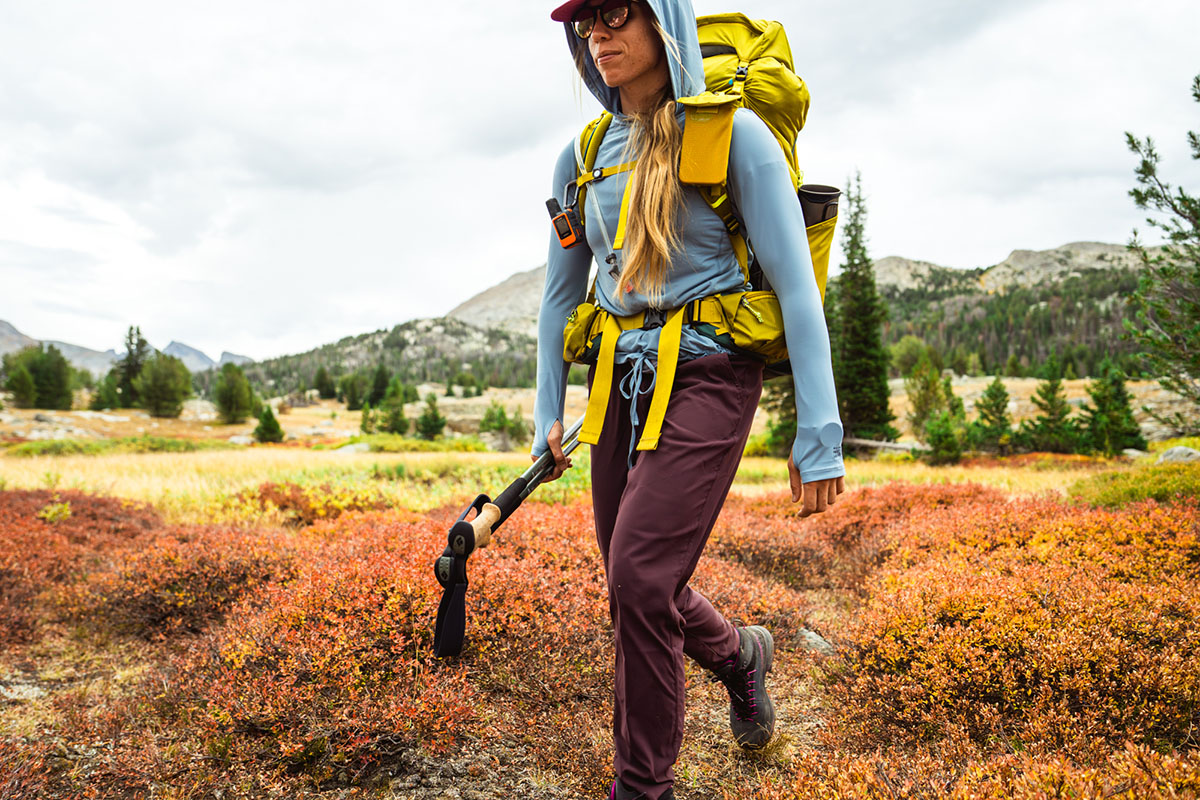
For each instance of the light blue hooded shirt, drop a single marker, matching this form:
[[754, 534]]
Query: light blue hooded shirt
[[762, 192]]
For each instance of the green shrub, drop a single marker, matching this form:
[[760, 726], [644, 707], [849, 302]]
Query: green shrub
[[268, 429], [945, 447], [392, 419], [496, 419], [233, 396], [128, 444], [391, 443], [59, 447], [20, 385], [38, 378], [1165, 483], [431, 423], [160, 444], [759, 445], [106, 395], [162, 386]]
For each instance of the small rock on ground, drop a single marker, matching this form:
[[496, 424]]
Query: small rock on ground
[[1178, 455]]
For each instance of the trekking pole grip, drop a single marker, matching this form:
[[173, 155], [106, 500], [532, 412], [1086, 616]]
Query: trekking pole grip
[[487, 517]]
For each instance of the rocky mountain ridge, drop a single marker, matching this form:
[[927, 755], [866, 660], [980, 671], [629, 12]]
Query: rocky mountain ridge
[[98, 363], [418, 351], [512, 304]]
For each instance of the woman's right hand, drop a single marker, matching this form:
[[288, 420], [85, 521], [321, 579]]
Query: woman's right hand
[[554, 442]]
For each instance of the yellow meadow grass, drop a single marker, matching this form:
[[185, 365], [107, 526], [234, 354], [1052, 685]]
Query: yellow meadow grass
[[202, 486], [766, 475], [205, 486]]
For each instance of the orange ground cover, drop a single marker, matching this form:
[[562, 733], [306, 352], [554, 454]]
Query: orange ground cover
[[986, 647]]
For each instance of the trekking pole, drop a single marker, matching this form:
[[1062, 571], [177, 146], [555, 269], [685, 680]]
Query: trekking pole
[[468, 535]]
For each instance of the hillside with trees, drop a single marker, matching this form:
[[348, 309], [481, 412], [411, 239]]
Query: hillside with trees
[[978, 326], [420, 351]]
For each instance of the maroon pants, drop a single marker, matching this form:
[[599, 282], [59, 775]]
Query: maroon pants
[[652, 522]]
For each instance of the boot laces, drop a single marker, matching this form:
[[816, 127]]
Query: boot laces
[[741, 688]]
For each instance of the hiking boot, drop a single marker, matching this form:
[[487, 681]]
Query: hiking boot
[[619, 792], [751, 712]]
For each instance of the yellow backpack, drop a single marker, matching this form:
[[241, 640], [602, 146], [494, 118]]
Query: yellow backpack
[[747, 63]]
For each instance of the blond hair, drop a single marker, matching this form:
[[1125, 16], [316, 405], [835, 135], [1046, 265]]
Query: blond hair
[[655, 194]]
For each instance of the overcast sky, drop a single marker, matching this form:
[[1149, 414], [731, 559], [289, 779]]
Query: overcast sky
[[267, 177]]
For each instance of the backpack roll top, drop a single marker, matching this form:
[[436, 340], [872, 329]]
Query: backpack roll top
[[752, 58]]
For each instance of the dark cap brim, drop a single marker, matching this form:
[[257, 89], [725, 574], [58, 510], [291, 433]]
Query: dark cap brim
[[564, 12]]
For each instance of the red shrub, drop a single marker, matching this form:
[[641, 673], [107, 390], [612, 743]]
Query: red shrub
[[838, 548], [305, 505], [38, 552], [323, 675], [182, 580], [1034, 622], [1130, 773]]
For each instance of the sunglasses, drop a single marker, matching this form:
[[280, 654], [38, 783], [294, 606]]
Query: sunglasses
[[615, 13]]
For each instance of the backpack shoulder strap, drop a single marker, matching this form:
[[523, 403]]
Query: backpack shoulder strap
[[588, 143], [704, 159]]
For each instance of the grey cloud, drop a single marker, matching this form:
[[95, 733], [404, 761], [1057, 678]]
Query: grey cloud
[[74, 215], [46, 262], [78, 310]]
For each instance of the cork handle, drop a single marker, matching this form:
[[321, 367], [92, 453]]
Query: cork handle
[[483, 523]]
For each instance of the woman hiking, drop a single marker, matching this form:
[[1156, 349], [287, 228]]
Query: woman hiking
[[654, 507]]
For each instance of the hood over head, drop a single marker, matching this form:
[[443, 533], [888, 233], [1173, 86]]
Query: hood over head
[[679, 21]]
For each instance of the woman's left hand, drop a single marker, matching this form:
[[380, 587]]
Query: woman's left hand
[[818, 495]]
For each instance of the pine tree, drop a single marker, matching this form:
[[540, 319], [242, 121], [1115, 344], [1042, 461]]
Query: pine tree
[[48, 371], [1012, 367], [925, 395], [162, 386], [1052, 431], [431, 423], [393, 420], [779, 399], [994, 424], [495, 419], [106, 397], [954, 403], [943, 435], [833, 324], [324, 384], [1108, 421], [862, 385], [232, 394], [379, 386], [137, 353], [352, 391], [268, 429], [367, 425], [906, 353], [1167, 300], [20, 384]]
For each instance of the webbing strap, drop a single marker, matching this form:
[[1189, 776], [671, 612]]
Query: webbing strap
[[600, 174], [742, 252], [587, 147], [669, 338], [593, 419], [668, 357], [719, 201], [595, 134], [619, 241]]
